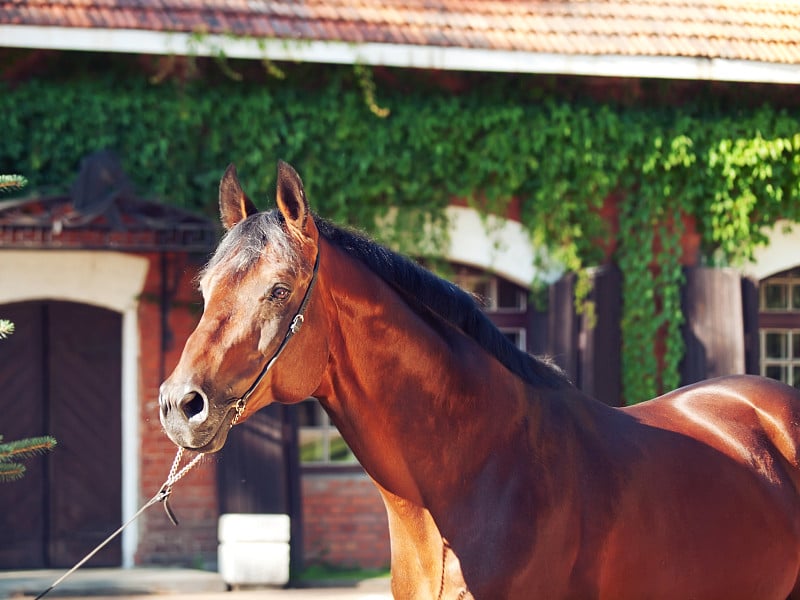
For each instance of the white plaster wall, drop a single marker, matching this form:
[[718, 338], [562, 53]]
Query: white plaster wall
[[783, 252], [109, 280], [495, 244]]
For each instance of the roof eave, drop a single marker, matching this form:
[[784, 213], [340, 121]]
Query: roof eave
[[137, 41]]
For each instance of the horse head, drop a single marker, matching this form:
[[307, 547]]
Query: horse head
[[257, 291]]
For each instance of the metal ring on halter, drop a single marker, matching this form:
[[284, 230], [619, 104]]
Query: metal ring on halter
[[297, 322], [239, 406]]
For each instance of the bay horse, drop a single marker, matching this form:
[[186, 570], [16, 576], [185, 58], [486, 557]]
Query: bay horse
[[500, 478]]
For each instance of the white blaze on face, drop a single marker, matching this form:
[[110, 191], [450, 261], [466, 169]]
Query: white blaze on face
[[240, 296]]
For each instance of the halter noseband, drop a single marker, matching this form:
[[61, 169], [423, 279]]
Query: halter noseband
[[294, 327]]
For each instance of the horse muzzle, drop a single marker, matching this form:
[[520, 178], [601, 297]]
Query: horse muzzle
[[190, 419]]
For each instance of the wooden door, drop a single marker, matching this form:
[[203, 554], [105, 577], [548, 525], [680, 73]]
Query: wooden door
[[61, 375], [23, 516]]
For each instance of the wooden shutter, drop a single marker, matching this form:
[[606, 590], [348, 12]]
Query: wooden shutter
[[714, 327]]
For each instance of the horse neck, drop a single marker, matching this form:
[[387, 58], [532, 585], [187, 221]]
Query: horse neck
[[419, 403]]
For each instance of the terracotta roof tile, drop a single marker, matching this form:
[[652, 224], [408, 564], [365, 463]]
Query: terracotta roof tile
[[733, 29]]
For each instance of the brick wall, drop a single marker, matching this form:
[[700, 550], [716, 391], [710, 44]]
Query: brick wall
[[344, 521], [194, 498]]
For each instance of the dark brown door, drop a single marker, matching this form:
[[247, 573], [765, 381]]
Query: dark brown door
[[60, 374]]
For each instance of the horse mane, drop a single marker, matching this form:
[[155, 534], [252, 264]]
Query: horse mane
[[424, 290]]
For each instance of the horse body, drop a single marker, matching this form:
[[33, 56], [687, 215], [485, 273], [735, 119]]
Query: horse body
[[498, 482], [652, 513]]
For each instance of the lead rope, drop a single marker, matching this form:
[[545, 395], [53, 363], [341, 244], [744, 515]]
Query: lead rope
[[174, 474], [465, 591], [161, 496]]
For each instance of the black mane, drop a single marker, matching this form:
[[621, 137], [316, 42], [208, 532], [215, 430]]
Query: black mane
[[422, 288]]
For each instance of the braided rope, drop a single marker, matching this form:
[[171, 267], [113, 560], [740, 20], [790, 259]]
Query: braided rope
[[161, 496]]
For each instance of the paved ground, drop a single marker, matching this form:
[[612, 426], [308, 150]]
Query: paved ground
[[170, 584]]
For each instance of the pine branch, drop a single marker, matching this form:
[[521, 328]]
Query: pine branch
[[26, 448], [11, 471], [6, 329], [10, 183]]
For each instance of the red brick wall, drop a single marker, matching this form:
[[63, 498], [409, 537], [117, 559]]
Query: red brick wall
[[194, 498], [344, 521]]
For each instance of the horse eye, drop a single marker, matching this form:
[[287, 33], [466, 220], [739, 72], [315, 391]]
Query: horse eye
[[279, 293]]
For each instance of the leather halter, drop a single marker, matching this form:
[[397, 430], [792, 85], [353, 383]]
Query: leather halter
[[294, 327]]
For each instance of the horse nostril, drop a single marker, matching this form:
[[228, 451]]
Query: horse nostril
[[193, 404]]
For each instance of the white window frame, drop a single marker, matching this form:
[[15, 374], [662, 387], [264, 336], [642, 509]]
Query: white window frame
[[326, 431], [788, 362], [790, 283]]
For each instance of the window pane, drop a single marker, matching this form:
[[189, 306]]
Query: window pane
[[319, 441], [312, 445], [776, 344], [796, 297], [795, 344], [776, 372], [796, 376], [480, 287], [509, 296], [340, 452], [775, 296]]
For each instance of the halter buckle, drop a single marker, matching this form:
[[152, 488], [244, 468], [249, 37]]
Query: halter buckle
[[239, 407], [297, 322]]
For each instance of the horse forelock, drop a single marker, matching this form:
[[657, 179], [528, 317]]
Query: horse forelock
[[242, 246], [423, 290]]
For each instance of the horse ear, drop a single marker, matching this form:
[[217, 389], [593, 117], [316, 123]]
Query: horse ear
[[234, 205], [291, 200]]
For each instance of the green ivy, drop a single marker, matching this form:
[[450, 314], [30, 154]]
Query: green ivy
[[734, 170]]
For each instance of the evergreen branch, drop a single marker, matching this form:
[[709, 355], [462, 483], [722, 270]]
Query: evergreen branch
[[11, 471], [6, 329], [26, 448], [10, 183]]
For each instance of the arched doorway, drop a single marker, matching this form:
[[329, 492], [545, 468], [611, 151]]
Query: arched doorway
[[61, 374]]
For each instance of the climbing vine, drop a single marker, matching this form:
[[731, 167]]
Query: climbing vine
[[730, 171]]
